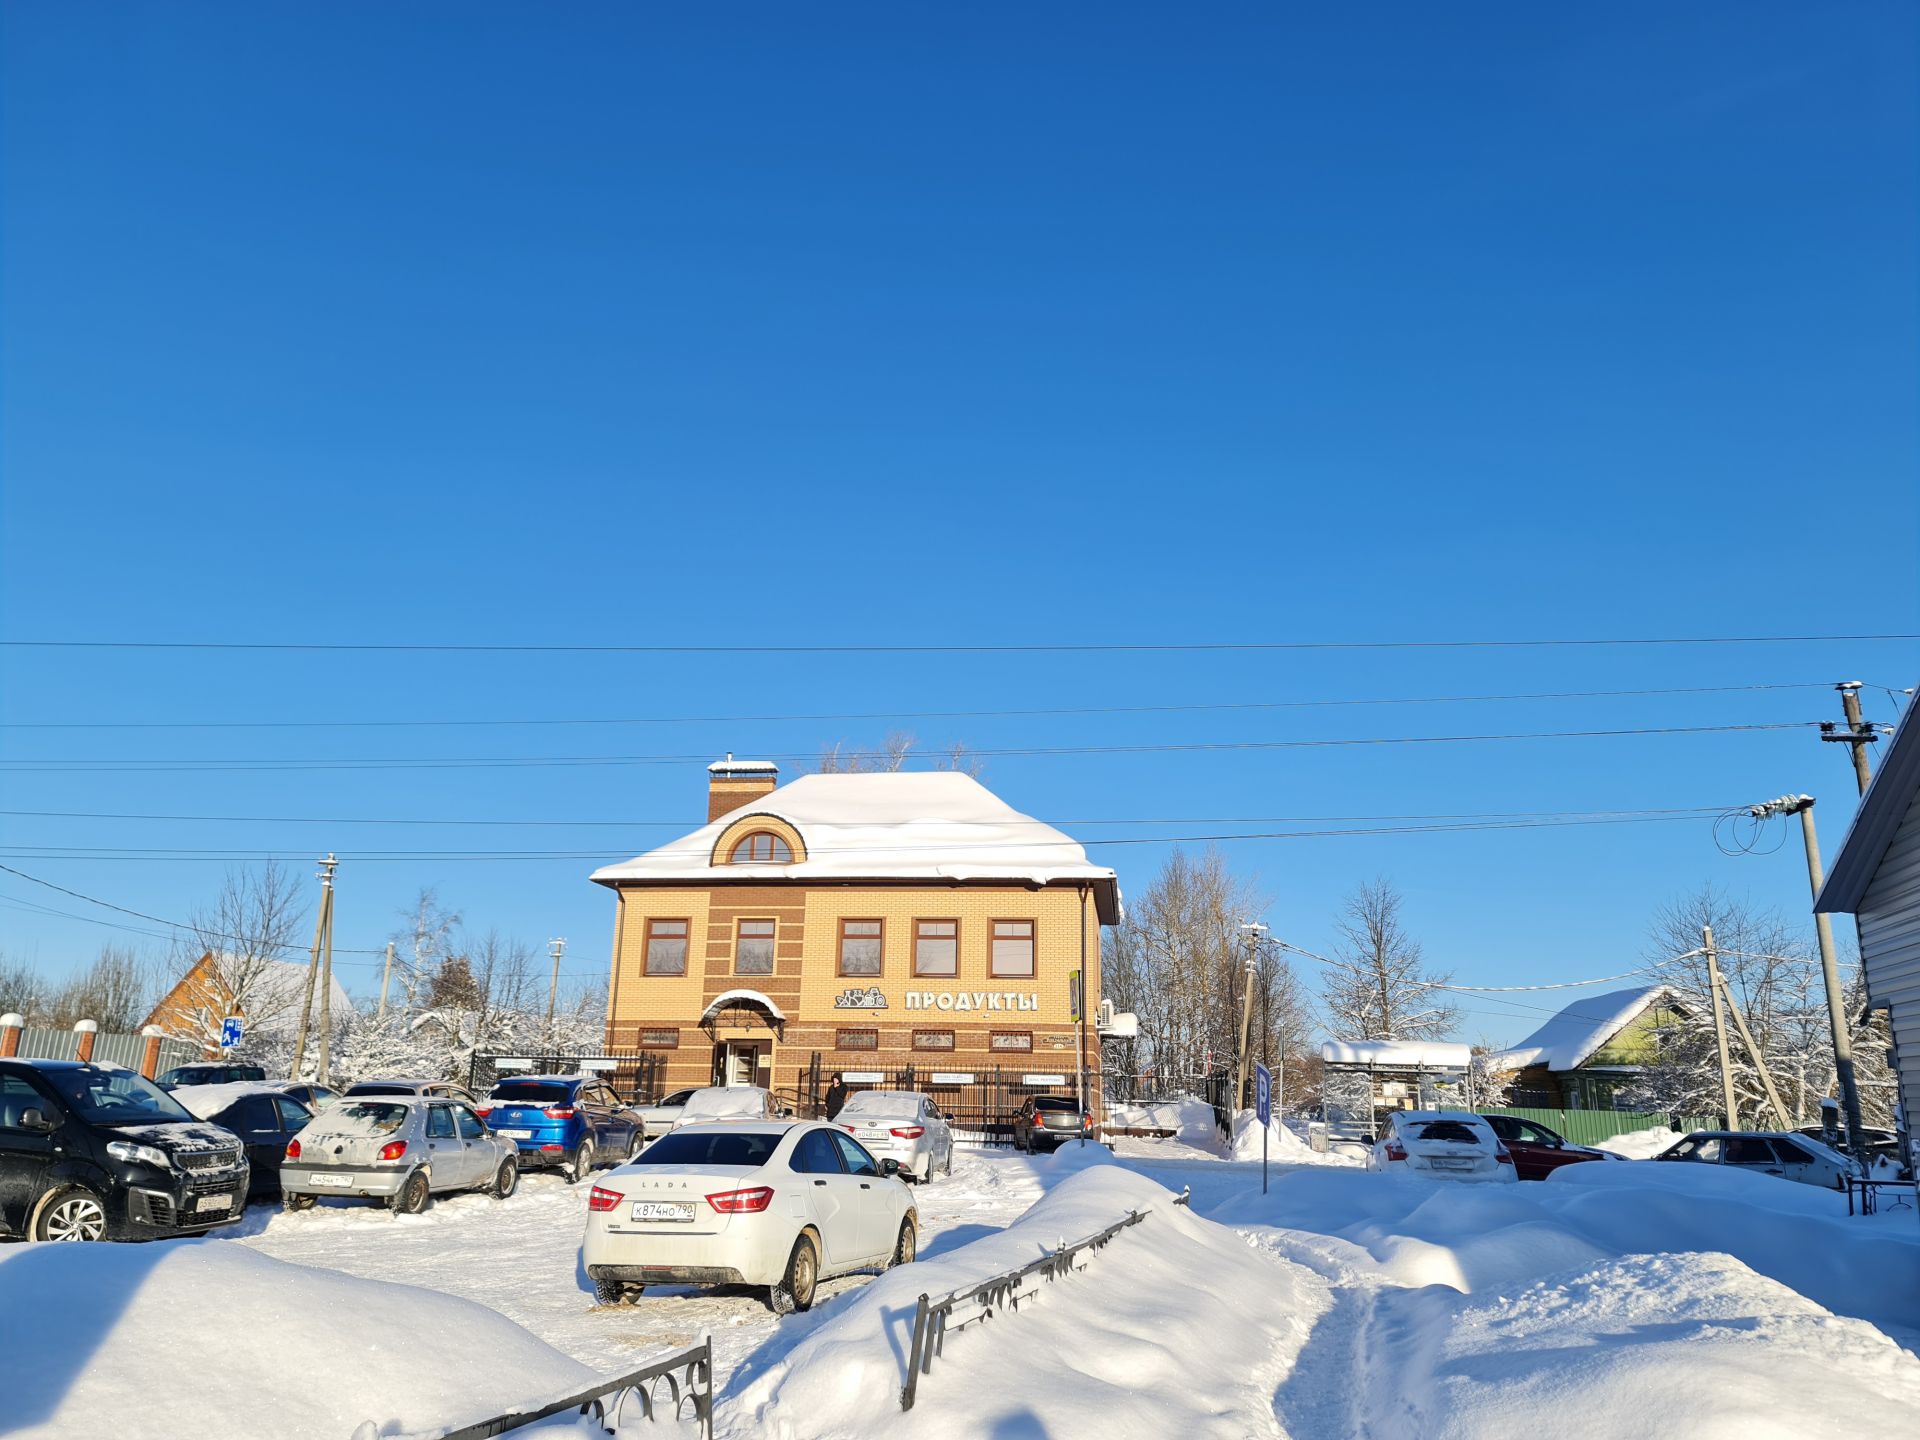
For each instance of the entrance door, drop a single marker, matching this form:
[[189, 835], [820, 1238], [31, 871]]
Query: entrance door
[[736, 1063]]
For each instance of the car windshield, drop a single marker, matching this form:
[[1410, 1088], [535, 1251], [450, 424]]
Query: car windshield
[[1450, 1131], [710, 1147], [530, 1092], [115, 1097], [366, 1117], [882, 1102]]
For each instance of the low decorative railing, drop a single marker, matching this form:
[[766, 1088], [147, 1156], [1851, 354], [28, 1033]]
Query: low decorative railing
[[933, 1318], [1904, 1195], [677, 1388]]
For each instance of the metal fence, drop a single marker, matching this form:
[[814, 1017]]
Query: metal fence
[[979, 1103], [1590, 1127], [932, 1318], [46, 1043], [638, 1077], [672, 1390]]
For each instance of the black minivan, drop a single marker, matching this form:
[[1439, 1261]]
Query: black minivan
[[95, 1152]]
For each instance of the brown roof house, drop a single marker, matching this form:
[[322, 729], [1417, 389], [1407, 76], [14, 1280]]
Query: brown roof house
[[266, 994]]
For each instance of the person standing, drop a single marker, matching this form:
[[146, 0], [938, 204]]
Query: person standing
[[836, 1095]]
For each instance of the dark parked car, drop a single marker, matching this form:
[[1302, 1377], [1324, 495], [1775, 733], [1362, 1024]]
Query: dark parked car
[[210, 1074], [1537, 1151], [265, 1117], [95, 1152], [572, 1122], [1046, 1122]]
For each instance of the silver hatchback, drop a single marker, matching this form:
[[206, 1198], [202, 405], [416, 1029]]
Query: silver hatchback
[[402, 1150]]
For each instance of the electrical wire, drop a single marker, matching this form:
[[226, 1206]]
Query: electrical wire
[[562, 761], [1129, 647], [1079, 711]]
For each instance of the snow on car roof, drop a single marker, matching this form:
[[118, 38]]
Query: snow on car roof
[[1411, 1054], [748, 1100], [1567, 1040], [920, 824], [883, 1101], [207, 1101]]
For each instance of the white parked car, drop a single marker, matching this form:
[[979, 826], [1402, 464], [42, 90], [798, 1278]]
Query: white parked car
[[1765, 1152], [900, 1125], [783, 1204], [727, 1102], [1443, 1145], [663, 1114]]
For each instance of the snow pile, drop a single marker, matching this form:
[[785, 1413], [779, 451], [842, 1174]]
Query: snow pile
[[1176, 1328], [207, 1339], [1190, 1118], [1283, 1146], [1640, 1144]]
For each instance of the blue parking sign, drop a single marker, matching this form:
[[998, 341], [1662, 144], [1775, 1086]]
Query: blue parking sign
[[231, 1029], [1263, 1093]]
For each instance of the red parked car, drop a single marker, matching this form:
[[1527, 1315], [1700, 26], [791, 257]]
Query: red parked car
[[1537, 1151]]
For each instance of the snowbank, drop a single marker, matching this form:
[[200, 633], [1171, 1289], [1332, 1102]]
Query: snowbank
[[208, 1339], [1283, 1146], [1640, 1144], [1189, 1117], [1176, 1328]]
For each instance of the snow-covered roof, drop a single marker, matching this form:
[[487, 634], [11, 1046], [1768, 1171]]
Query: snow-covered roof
[[1567, 1040], [918, 825], [749, 997], [207, 1101], [1405, 1054]]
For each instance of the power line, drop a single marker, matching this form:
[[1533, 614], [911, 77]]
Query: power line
[[487, 762], [1131, 647], [1078, 710]]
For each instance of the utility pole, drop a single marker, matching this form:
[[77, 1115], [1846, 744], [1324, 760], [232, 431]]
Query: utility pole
[[321, 922], [1715, 990], [386, 979], [326, 970], [1759, 1058], [556, 948], [1802, 805], [1254, 931], [1858, 733]]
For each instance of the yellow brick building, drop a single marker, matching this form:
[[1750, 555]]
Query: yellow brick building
[[861, 924]]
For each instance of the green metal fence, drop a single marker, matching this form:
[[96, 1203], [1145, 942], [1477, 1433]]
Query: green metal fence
[[1590, 1127]]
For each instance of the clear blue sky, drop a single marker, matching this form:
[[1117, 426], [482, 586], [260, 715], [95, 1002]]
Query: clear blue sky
[[784, 325]]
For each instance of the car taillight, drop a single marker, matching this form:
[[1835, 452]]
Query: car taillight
[[601, 1198], [908, 1132], [483, 1111], [559, 1112], [393, 1149], [1396, 1151], [849, 1129], [1503, 1156], [1039, 1121], [293, 1148], [742, 1202]]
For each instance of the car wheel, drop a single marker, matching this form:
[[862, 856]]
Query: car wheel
[[947, 1169], [907, 1246], [613, 1292], [505, 1179], [582, 1163], [414, 1196], [795, 1290], [297, 1203], [71, 1214]]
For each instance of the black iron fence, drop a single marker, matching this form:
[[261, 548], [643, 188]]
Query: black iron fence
[[934, 1318], [674, 1390], [637, 1077]]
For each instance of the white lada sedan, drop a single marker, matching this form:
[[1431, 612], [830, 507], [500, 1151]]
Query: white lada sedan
[[779, 1204]]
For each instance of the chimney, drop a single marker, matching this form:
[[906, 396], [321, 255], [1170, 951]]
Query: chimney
[[733, 783]]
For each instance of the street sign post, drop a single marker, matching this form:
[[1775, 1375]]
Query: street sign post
[[1263, 1108], [231, 1029]]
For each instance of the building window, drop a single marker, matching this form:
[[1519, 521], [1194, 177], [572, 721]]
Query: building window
[[753, 950], [763, 847], [1010, 1040], [933, 1039], [1011, 955], [936, 947], [860, 947], [659, 1039], [857, 1040], [666, 947]]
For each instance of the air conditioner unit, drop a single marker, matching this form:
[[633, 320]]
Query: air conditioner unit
[[1121, 1025]]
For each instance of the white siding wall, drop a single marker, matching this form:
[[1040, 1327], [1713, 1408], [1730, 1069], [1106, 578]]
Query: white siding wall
[[1890, 949]]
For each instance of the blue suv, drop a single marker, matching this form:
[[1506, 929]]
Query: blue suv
[[572, 1122]]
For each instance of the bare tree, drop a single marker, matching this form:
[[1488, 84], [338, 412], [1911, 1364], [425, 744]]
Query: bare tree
[[250, 931], [423, 943], [114, 991], [1379, 987], [22, 991]]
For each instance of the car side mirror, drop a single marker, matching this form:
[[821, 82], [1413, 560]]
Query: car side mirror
[[36, 1119], [890, 1169]]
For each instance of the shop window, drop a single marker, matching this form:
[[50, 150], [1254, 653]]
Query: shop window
[[666, 952], [1011, 956], [936, 948]]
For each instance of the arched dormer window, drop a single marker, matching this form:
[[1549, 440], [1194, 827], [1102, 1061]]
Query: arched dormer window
[[762, 847]]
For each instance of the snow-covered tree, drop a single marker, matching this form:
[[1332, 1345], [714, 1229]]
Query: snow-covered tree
[[1379, 987]]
